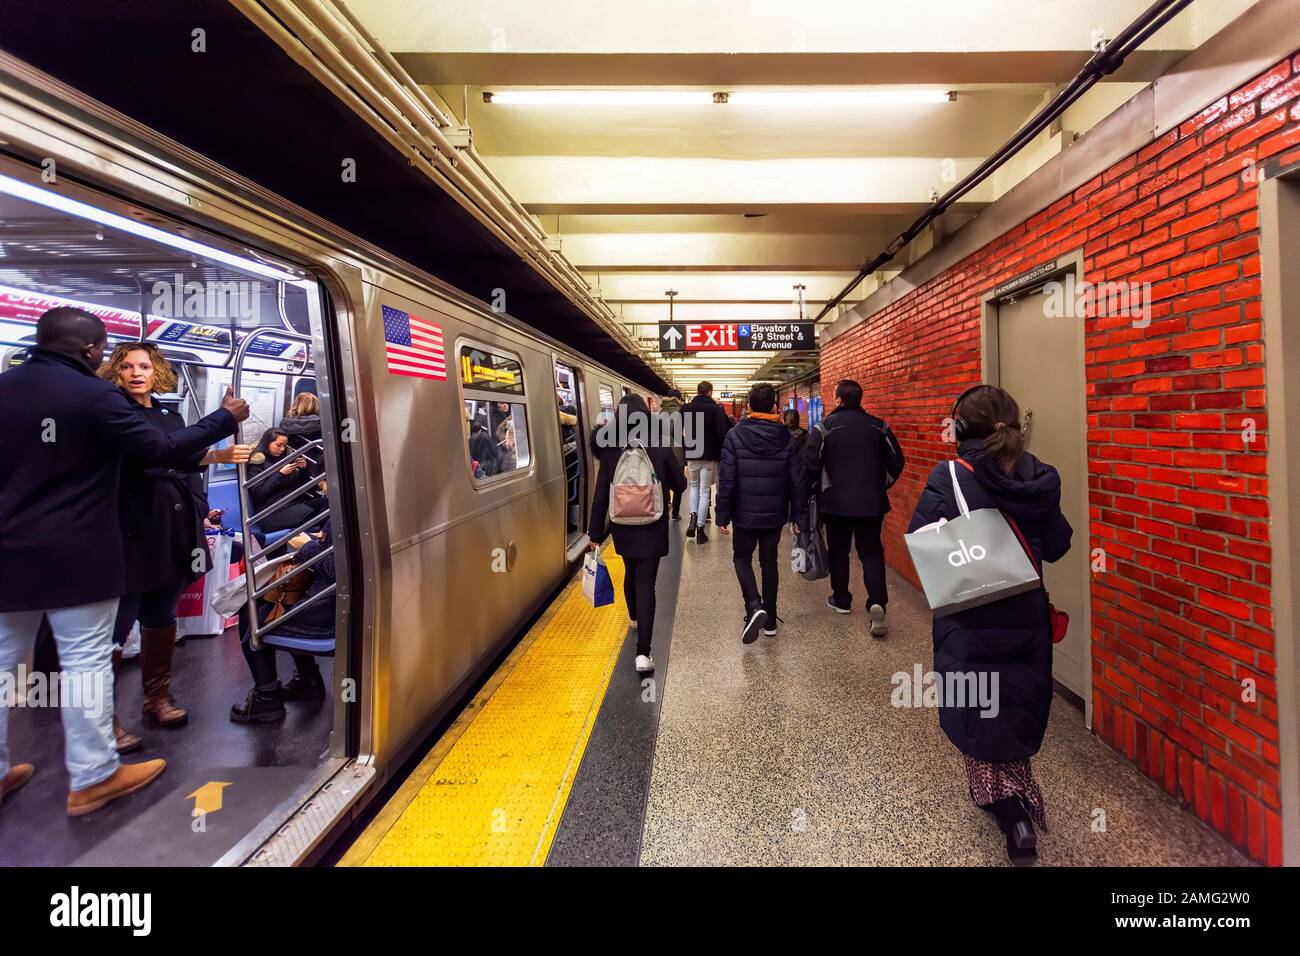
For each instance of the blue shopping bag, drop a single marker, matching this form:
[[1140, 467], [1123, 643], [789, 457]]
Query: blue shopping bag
[[597, 586]]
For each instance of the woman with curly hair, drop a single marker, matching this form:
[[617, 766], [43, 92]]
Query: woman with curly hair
[[162, 512]]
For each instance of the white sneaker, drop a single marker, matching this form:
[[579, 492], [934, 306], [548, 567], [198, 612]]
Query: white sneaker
[[645, 664], [878, 626], [131, 649]]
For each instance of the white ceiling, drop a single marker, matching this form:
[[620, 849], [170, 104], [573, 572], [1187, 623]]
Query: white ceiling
[[649, 198]]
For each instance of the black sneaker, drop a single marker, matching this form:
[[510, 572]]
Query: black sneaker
[[753, 623], [830, 603], [299, 688], [259, 708], [676, 516], [701, 536], [770, 626], [690, 528]]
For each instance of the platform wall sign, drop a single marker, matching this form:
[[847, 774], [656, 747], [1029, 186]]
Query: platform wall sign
[[737, 336]]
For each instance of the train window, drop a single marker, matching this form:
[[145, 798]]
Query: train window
[[606, 397], [496, 418]]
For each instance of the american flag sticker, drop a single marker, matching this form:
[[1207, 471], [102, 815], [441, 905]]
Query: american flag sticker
[[413, 345]]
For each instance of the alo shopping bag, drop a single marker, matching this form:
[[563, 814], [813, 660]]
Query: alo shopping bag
[[597, 586], [974, 559], [810, 557]]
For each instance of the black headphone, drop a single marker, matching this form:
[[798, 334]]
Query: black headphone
[[961, 427]]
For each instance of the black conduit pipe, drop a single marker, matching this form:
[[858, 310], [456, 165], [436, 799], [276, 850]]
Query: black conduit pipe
[[1102, 63]]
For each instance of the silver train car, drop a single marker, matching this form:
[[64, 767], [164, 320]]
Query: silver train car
[[458, 496]]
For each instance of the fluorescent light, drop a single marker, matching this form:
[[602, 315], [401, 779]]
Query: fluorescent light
[[73, 207], [600, 98], [808, 97]]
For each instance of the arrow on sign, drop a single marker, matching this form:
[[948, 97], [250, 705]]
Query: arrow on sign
[[672, 337], [207, 799]]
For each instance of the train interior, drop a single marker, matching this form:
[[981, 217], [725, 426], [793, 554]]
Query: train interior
[[157, 286]]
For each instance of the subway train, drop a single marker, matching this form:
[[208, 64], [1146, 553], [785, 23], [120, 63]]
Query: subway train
[[457, 482]]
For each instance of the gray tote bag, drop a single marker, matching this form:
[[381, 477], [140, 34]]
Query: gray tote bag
[[974, 559]]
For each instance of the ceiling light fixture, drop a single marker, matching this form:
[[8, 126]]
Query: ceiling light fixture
[[801, 97], [837, 97], [600, 98], [74, 207]]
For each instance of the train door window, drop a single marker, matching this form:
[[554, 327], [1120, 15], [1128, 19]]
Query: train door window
[[569, 402], [496, 418]]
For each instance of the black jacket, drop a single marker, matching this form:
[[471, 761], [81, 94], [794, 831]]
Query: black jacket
[[635, 541], [845, 462], [302, 429], [270, 490], [162, 511], [60, 537], [1011, 638], [760, 480], [704, 425]]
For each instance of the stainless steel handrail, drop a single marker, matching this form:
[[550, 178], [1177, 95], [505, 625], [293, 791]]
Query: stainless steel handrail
[[248, 519], [281, 462]]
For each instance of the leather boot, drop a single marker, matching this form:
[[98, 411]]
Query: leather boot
[[123, 740], [128, 778], [156, 647]]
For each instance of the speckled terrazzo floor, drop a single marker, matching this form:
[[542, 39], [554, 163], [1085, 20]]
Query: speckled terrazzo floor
[[789, 752]]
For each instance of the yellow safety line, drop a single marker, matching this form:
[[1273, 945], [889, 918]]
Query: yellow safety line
[[493, 790]]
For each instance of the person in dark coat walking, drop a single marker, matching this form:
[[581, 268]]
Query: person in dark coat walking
[[851, 460], [704, 425], [640, 546], [797, 431], [162, 512], [760, 489], [1009, 640], [265, 702], [61, 553], [672, 407]]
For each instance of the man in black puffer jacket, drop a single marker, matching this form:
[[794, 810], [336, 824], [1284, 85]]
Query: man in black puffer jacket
[[760, 485]]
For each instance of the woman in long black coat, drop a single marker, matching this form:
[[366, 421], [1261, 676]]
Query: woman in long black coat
[[272, 448], [1009, 641], [162, 512], [640, 546]]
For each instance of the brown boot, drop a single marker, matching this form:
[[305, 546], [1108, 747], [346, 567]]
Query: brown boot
[[18, 775], [156, 647], [128, 778], [123, 740]]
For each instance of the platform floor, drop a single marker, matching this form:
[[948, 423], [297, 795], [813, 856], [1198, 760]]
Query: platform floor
[[784, 752]]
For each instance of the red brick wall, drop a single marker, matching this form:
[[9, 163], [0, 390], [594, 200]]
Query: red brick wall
[[1181, 616]]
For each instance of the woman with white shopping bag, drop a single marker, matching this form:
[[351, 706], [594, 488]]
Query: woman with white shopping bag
[[643, 543], [1003, 644], [162, 513]]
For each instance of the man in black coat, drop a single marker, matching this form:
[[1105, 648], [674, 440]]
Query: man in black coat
[[760, 488], [851, 460], [61, 553], [704, 425]]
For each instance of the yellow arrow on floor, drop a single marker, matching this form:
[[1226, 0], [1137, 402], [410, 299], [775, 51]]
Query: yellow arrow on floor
[[207, 799]]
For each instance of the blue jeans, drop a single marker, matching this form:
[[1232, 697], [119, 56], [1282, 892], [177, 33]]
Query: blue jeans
[[702, 475], [84, 636]]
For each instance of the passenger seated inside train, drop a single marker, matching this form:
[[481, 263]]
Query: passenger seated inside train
[[484, 453], [273, 446], [302, 425], [265, 702], [504, 431]]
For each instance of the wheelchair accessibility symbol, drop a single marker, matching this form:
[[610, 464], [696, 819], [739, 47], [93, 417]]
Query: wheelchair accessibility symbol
[[744, 331]]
